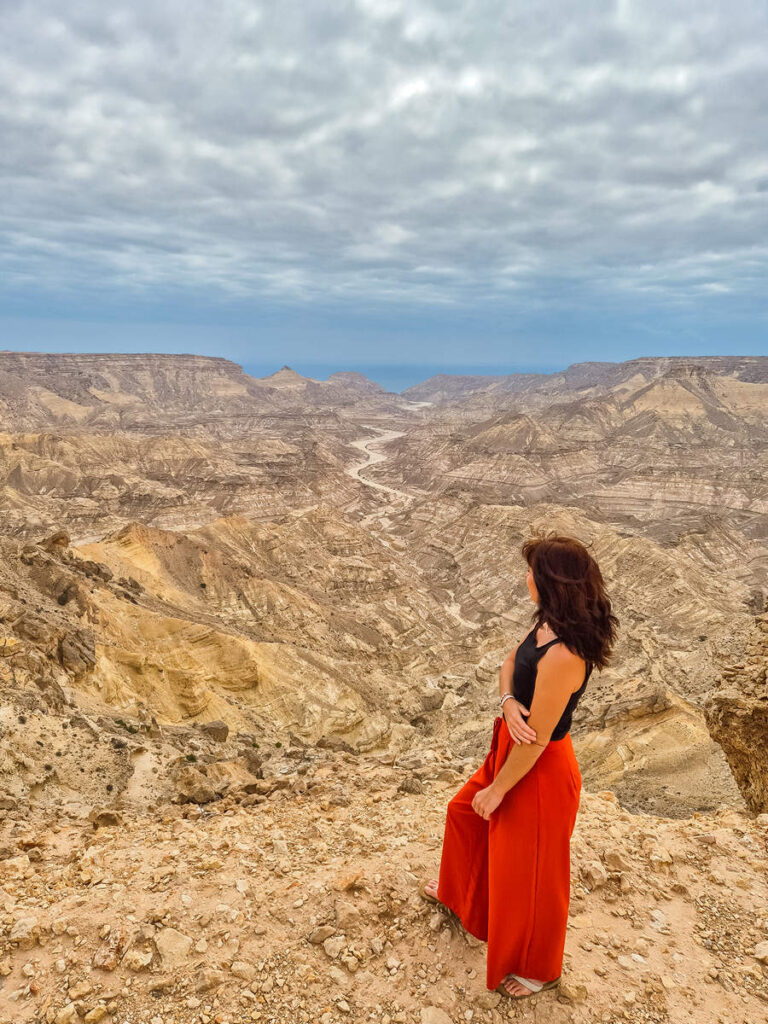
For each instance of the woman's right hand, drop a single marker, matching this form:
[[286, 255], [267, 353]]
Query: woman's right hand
[[519, 729]]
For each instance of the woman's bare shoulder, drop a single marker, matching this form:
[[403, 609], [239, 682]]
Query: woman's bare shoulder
[[564, 659]]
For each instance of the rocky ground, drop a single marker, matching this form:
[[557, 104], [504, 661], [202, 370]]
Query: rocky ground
[[293, 894]]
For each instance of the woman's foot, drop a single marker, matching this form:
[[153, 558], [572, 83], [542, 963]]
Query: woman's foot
[[515, 988], [430, 889]]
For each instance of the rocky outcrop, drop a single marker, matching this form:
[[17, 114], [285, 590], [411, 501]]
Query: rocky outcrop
[[737, 716], [653, 749]]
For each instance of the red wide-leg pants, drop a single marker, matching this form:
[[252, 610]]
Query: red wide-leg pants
[[509, 878]]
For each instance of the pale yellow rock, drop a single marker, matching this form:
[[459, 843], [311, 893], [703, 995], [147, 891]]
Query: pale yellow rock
[[95, 1015], [173, 946], [67, 1015]]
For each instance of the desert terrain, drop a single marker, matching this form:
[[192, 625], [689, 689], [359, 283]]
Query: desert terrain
[[250, 633]]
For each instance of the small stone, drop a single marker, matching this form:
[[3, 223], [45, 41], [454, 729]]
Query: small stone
[[192, 787], [104, 817], [334, 946], [137, 960], [209, 979], [161, 983], [173, 947], [594, 874], [107, 956], [67, 1015], [607, 795], [25, 932], [243, 970], [659, 920], [615, 860], [660, 857], [434, 1015], [81, 989], [338, 977], [347, 916], [573, 990], [95, 1015]]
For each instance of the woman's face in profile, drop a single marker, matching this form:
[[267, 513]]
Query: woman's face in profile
[[531, 586]]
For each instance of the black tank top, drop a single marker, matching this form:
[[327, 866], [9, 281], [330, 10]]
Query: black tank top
[[524, 680]]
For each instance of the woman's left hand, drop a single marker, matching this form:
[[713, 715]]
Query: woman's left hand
[[485, 801]]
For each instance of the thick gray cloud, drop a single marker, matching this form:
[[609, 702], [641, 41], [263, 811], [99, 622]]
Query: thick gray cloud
[[390, 149]]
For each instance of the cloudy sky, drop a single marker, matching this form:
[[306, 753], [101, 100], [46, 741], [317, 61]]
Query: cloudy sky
[[464, 183]]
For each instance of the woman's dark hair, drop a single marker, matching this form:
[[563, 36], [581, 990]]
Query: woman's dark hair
[[572, 597]]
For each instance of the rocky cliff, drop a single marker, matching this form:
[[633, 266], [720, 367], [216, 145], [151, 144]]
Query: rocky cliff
[[148, 391], [737, 714]]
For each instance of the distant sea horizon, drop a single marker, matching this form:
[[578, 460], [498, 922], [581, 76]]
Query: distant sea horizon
[[395, 377]]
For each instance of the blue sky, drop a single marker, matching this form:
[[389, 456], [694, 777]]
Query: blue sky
[[488, 186]]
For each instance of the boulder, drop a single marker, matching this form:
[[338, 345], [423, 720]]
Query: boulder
[[192, 787], [215, 730]]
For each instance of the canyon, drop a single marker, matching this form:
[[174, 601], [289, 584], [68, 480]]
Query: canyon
[[250, 634]]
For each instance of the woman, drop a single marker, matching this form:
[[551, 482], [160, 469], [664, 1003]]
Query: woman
[[505, 866]]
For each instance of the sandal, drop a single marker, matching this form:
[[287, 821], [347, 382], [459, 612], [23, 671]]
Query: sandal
[[535, 989]]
